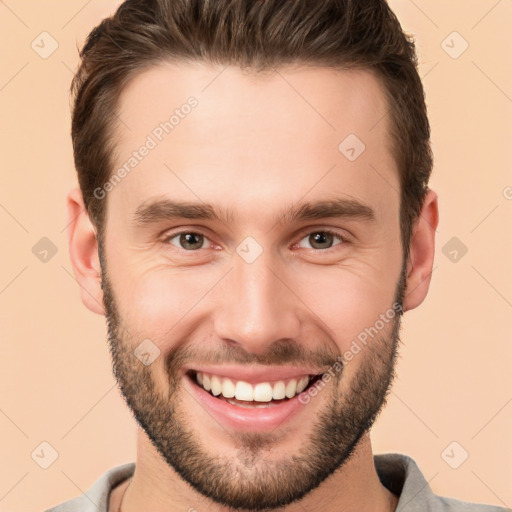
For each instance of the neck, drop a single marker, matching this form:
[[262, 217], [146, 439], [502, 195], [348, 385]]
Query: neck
[[156, 486]]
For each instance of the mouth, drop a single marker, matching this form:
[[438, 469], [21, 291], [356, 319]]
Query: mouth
[[257, 394], [252, 398]]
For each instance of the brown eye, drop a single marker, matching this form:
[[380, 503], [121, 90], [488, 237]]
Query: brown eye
[[188, 241], [320, 240]]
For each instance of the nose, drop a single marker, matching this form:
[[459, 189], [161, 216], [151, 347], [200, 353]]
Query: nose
[[257, 306]]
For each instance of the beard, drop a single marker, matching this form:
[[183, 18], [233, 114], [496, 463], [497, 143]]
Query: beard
[[249, 480]]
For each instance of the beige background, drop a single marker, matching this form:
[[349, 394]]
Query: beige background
[[454, 379]]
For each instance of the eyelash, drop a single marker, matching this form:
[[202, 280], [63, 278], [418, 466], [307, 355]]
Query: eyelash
[[343, 239]]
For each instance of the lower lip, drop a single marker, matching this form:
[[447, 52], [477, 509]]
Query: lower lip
[[245, 418]]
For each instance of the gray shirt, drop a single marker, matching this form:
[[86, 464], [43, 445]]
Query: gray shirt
[[399, 473]]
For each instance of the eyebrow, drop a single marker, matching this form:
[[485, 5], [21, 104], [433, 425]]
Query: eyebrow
[[161, 209]]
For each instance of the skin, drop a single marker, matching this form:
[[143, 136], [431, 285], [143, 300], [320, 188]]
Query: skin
[[258, 146]]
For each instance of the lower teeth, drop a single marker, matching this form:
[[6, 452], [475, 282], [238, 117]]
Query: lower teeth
[[258, 405]]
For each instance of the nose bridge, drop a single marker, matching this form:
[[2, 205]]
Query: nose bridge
[[257, 308]]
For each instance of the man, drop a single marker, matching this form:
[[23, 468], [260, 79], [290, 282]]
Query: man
[[253, 219]]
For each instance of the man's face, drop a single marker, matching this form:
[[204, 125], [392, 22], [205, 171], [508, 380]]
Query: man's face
[[261, 296]]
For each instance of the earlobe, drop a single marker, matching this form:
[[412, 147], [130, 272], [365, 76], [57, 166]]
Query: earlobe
[[421, 254], [83, 252]]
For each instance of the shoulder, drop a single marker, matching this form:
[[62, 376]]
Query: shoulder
[[96, 498], [452, 504], [401, 475]]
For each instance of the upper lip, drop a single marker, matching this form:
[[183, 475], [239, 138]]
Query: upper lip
[[255, 374]]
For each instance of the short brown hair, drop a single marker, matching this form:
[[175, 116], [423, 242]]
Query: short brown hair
[[259, 34]]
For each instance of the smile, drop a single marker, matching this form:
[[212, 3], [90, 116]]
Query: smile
[[240, 390], [263, 404]]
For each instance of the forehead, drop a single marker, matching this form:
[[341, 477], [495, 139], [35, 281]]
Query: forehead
[[329, 99], [276, 135]]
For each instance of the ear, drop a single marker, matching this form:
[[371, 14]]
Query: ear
[[421, 254], [83, 251]]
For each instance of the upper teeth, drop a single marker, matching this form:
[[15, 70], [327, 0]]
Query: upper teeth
[[261, 392]]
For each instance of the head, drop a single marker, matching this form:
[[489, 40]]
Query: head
[[254, 180]]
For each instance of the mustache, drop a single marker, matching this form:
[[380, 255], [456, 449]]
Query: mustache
[[282, 353]]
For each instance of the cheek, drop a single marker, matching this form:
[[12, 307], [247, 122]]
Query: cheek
[[164, 304], [153, 304], [348, 301]]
